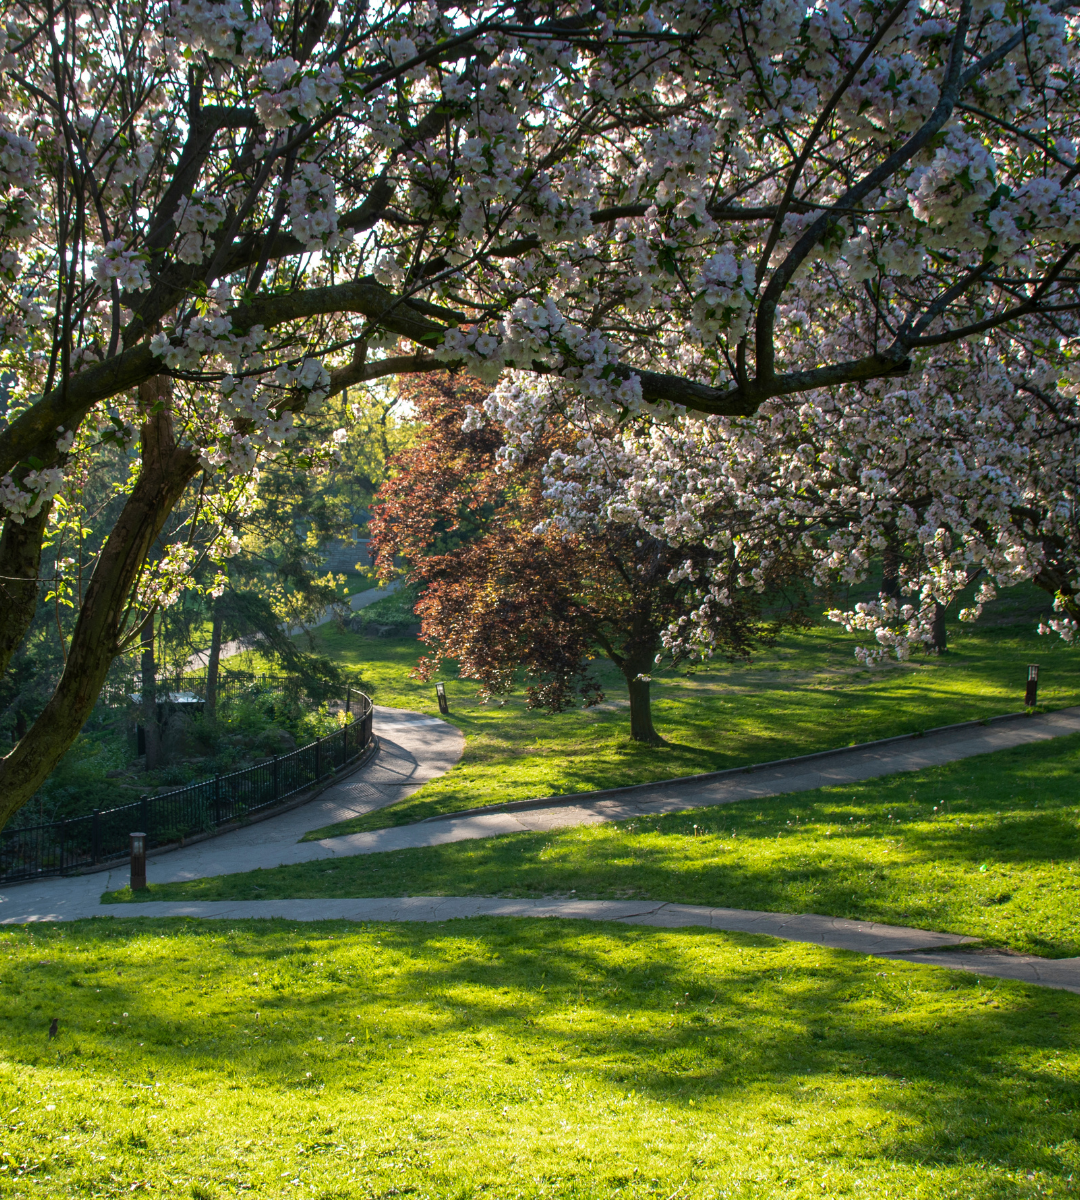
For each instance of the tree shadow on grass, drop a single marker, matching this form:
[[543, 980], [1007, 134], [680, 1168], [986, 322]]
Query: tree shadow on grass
[[920, 1069]]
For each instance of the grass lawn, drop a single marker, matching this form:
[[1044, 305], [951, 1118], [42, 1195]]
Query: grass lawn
[[806, 694], [986, 847], [513, 1059]]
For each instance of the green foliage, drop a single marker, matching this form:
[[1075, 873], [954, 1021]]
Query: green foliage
[[519, 1059], [78, 784], [298, 512], [317, 723]]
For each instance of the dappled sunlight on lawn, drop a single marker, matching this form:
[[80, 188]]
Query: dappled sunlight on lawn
[[986, 847], [540, 1057], [803, 695]]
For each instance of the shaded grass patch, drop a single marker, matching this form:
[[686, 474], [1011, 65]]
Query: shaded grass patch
[[519, 1059]]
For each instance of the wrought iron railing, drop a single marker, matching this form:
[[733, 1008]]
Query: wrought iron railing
[[73, 845]]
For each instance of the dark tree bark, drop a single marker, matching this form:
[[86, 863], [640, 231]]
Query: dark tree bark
[[151, 728], [638, 659], [940, 637], [641, 723], [213, 664], [165, 472], [20, 556]]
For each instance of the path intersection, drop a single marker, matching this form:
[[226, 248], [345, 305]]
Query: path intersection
[[415, 748]]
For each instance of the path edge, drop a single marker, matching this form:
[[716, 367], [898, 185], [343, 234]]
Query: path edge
[[562, 800], [297, 801]]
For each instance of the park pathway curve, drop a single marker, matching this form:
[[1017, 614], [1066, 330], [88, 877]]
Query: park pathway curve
[[415, 748]]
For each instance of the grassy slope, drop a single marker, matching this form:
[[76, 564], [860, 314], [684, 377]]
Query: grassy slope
[[807, 694], [519, 1059], [995, 860]]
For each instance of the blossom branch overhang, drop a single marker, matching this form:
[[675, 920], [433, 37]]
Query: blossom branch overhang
[[67, 404], [205, 124], [784, 207], [955, 83], [173, 284], [782, 276]]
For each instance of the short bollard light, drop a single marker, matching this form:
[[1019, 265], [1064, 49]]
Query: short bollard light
[[1031, 696], [138, 862], [440, 692]]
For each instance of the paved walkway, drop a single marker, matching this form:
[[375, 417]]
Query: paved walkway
[[416, 748], [413, 749]]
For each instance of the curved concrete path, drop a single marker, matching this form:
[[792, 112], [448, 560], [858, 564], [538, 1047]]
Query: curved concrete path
[[415, 748]]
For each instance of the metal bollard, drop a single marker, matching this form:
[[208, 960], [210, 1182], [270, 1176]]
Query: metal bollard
[[440, 692], [138, 862], [1031, 696]]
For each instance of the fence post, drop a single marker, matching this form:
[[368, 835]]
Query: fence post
[[277, 777], [318, 758], [217, 799], [144, 810], [63, 840], [95, 836]]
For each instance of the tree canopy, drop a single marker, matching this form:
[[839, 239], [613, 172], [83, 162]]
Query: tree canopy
[[216, 216], [512, 589]]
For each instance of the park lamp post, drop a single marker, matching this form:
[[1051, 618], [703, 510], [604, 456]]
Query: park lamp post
[[1031, 696], [138, 862], [440, 693]]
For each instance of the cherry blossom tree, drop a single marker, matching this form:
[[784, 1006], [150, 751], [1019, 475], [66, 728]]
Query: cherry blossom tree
[[959, 477], [216, 215]]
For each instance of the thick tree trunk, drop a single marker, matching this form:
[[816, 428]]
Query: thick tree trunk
[[20, 558], [165, 472], [151, 728], [213, 664], [641, 726], [941, 641]]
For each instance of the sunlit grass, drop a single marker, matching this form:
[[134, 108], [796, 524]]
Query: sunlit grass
[[519, 1059], [806, 694], [986, 847]]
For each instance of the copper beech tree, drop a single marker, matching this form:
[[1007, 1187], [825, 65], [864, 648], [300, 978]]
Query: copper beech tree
[[507, 592]]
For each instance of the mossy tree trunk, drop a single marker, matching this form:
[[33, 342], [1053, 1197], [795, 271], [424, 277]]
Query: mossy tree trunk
[[108, 617]]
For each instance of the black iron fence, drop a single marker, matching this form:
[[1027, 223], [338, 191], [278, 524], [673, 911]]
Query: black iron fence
[[67, 847]]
